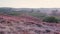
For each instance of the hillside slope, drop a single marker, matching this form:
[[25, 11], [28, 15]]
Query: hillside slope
[[25, 24]]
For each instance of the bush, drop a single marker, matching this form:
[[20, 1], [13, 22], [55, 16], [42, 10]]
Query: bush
[[50, 19]]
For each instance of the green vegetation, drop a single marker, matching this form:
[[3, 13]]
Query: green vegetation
[[51, 19], [14, 13], [38, 15]]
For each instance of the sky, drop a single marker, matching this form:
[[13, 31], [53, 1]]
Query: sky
[[30, 3]]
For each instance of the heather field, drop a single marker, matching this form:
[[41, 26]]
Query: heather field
[[24, 21], [25, 24]]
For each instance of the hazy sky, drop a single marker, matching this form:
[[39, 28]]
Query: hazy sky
[[30, 3]]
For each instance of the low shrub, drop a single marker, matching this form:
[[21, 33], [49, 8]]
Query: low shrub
[[50, 19]]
